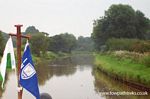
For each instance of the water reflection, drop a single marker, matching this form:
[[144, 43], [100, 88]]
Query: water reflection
[[43, 72], [8, 73], [71, 78], [104, 83], [1, 91], [62, 67], [84, 59]]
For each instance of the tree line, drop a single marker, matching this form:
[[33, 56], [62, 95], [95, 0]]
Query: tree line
[[41, 42]]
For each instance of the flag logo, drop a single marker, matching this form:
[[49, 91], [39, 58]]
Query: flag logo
[[28, 71]]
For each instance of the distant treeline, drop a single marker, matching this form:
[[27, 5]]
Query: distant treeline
[[41, 42], [120, 22]]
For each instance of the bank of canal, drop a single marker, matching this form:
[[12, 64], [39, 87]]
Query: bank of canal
[[124, 70]]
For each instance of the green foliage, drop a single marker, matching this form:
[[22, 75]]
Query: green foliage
[[121, 44], [120, 21], [31, 30], [39, 44], [84, 44], [142, 25], [146, 60], [133, 56], [62, 43], [123, 69], [1, 44], [51, 55], [48, 56], [141, 46], [135, 45], [5, 36]]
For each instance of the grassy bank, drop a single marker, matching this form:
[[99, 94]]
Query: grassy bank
[[48, 56], [126, 67]]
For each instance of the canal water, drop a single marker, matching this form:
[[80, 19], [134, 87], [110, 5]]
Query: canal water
[[71, 78]]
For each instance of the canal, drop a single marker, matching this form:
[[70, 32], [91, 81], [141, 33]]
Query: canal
[[71, 78]]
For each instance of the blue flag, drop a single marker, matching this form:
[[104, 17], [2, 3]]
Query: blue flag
[[28, 76]]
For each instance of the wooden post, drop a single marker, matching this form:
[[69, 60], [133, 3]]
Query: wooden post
[[19, 36], [19, 56]]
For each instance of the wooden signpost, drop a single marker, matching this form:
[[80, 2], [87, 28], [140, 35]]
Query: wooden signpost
[[19, 36]]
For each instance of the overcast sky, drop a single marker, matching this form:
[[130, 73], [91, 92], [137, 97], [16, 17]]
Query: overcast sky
[[59, 16]]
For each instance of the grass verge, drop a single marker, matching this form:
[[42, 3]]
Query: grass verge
[[48, 56], [125, 68]]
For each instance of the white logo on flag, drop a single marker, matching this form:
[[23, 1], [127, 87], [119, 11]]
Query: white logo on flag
[[28, 71]]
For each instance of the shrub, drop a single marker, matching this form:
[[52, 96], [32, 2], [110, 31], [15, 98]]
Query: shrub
[[135, 45], [146, 60], [141, 46]]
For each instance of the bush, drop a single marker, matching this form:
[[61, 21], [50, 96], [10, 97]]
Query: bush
[[141, 46], [135, 45], [146, 60]]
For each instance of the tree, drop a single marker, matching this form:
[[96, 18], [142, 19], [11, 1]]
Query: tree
[[39, 44], [142, 25], [31, 30], [1, 44], [69, 41], [84, 44], [120, 21], [99, 35], [63, 42]]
